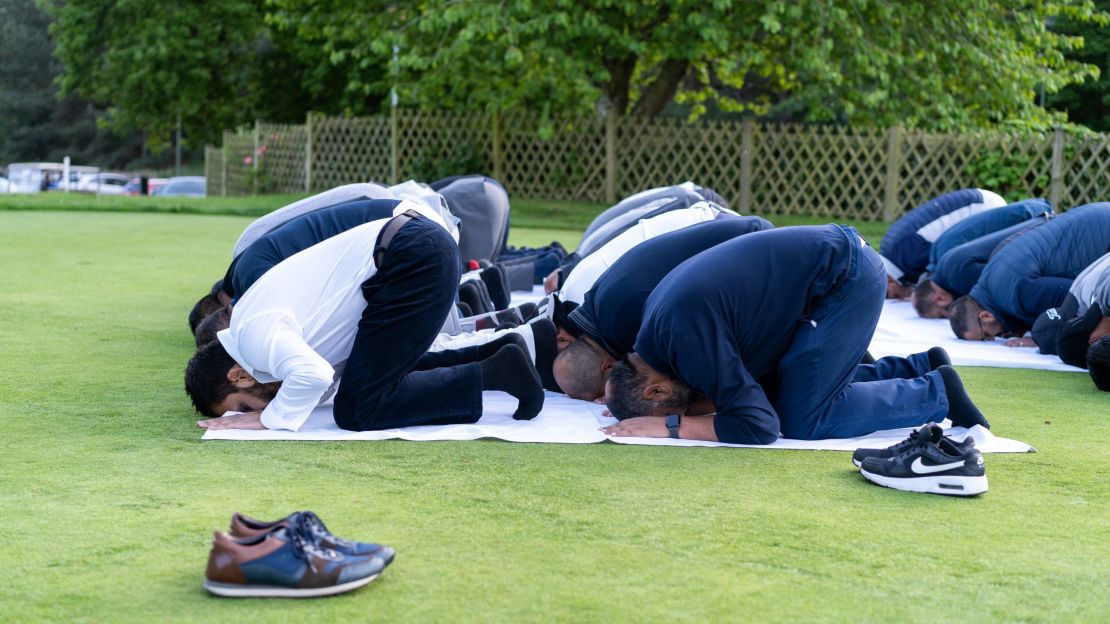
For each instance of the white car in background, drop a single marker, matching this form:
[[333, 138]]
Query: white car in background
[[103, 183], [4, 184]]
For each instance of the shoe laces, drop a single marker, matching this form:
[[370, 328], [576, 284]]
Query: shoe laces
[[304, 540], [317, 529]]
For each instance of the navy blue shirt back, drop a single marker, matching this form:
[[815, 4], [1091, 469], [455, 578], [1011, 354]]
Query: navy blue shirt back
[[612, 309], [723, 319], [299, 234]]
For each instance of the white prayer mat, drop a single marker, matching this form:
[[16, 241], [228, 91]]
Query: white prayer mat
[[568, 421], [902, 332], [519, 296]]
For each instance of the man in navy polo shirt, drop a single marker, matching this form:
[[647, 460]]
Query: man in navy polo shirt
[[772, 346]]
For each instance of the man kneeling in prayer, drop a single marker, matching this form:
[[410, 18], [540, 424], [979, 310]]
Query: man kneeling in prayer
[[772, 345], [365, 305]]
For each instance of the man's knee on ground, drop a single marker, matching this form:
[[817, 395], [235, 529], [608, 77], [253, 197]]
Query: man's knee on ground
[[1098, 363], [206, 380]]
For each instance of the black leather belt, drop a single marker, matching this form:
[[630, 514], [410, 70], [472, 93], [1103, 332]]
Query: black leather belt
[[389, 231]]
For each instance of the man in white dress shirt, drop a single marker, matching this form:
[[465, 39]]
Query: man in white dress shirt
[[365, 305]]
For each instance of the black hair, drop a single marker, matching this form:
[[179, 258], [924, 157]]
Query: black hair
[[205, 306], [626, 386], [206, 380], [962, 314], [582, 363], [923, 302], [211, 325], [1098, 363], [626, 399]]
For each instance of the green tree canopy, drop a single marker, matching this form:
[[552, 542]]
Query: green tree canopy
[[940, 64], [1087, 103], [943, 64], [213, 62]]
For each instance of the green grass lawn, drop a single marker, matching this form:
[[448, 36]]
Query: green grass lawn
[[108, 497]]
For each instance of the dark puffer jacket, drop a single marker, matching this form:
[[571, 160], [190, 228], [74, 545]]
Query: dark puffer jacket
[[1034, 271], [905, 246]]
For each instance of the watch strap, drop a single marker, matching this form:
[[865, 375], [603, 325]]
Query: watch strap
[[673, 421]]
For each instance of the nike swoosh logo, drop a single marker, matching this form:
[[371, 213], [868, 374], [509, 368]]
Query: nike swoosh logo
[[919, 467]]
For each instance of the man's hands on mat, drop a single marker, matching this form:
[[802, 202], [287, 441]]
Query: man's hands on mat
[[639, 427], [1020, 342], [246, 420]]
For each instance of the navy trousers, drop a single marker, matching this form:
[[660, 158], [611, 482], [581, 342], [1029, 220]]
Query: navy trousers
[[826, 393], [406, 301]]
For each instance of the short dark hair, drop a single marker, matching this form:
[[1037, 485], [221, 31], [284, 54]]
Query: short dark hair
[[962, 314], [627, 397], [923, 302], [211, 325], [205, 305], [206, 380], [582, 362], [1098, 363]]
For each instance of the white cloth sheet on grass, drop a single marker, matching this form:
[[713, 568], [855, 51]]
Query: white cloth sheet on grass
[[902, 332], [569, 421]]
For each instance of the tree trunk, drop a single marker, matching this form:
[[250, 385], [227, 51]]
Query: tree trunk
[[661, 90], [620, 77]]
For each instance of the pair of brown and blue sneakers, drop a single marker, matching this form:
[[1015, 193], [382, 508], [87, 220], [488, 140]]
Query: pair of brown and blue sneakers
[[295, 557]]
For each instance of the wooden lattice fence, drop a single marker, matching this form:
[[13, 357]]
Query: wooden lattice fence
[[835, 172]]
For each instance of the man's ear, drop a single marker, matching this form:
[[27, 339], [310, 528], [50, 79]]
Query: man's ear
[[239, 377], [607, 365], [986, 316], [659, 391], [942, 299]]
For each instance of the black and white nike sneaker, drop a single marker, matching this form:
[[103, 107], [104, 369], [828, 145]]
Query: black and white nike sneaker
[[861, 454], [931, 466]]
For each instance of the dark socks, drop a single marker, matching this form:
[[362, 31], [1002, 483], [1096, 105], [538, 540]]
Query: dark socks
[[491, 348], [544, 336], [961, 410], [497, 286], [510, 370], [472, 297], [938, 357]]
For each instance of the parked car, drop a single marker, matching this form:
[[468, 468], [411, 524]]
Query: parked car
[[184, 186], [135, 186], [34, 177], [103, 183]]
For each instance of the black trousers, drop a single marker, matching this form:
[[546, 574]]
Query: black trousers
[[406, 301]]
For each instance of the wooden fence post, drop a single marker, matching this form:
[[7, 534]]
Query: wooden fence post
[[893, 164], [223, 169], [254, 156], [1056, 182], [747, 145], [498, 153], [611, 157], [394, 146], [308, 152]]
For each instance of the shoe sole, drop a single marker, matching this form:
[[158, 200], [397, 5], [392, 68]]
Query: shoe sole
[[231, 590], [949, 486]]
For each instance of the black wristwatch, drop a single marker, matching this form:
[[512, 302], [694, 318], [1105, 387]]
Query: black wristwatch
[[673, 421]]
